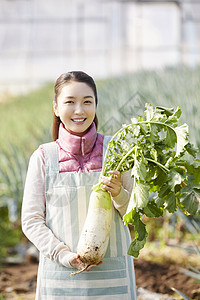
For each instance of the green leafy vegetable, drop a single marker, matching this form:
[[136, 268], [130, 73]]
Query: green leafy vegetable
[[164, 166]]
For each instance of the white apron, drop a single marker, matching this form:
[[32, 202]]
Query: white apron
[[67, 199]]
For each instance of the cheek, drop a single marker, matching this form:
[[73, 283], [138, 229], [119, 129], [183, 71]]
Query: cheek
[[92, 111], [65, 111]]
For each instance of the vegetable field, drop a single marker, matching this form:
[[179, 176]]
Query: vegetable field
[[25, 123]]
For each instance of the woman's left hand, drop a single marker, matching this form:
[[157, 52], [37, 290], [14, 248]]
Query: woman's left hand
[[90, 267], [112, 184]]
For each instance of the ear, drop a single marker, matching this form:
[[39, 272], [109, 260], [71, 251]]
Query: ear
[[55, 108]]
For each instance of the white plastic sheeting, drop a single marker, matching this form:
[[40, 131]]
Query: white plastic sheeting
[[41, 39]]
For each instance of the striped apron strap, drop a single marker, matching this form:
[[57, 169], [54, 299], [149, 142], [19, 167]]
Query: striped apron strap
[[51, 158], [106, 140]]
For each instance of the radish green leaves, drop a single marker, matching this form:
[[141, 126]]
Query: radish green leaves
[[164, 166]]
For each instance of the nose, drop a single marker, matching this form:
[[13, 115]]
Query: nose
[[78, 109]]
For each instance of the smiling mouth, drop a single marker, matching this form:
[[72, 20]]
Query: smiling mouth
[[78, 120]]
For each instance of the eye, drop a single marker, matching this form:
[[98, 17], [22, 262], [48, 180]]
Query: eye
[[87, 101], [69, 102]]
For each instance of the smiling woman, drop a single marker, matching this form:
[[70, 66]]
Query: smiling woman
[[57, 202], [74, 90]]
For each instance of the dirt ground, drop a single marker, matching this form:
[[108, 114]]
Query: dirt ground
[[19, 281], [160, 278]]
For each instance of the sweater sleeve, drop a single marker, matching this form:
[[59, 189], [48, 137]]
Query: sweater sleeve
[[33, 214], [121, 201]]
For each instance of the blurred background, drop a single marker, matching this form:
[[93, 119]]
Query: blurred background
[[40, 40], [137, 52]]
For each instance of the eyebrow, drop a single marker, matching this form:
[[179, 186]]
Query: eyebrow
[[72, 97]]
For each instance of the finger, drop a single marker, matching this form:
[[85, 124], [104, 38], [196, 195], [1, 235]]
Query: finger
[[76, 264], [112, 190], [106, 181], [109, 188], [113, 185], [92, 266], [110, 180], [106, 187], [115, 173], [79, 263]]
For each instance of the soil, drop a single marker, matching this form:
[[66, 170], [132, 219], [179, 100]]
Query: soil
[[19, 281], [160, 278]]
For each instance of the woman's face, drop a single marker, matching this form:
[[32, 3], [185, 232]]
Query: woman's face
[[76, 107]]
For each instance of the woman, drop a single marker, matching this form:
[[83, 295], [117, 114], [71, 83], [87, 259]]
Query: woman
[[56, 195]]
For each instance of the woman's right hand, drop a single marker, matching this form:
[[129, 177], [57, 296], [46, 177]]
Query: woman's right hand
[[76, 263]]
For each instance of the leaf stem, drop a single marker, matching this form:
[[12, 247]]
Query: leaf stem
[[160, 165], [134, 183], [124, 158]]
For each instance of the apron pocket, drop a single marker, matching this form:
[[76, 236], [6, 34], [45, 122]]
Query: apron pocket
[[61, 196]]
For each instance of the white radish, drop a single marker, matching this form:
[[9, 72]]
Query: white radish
[[94, 238]]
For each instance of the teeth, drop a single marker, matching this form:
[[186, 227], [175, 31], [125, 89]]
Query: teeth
[[78, 120]]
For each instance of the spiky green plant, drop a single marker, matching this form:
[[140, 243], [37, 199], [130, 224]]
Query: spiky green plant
[[13, 167]]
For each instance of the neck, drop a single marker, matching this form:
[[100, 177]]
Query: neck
[[79, 133]]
